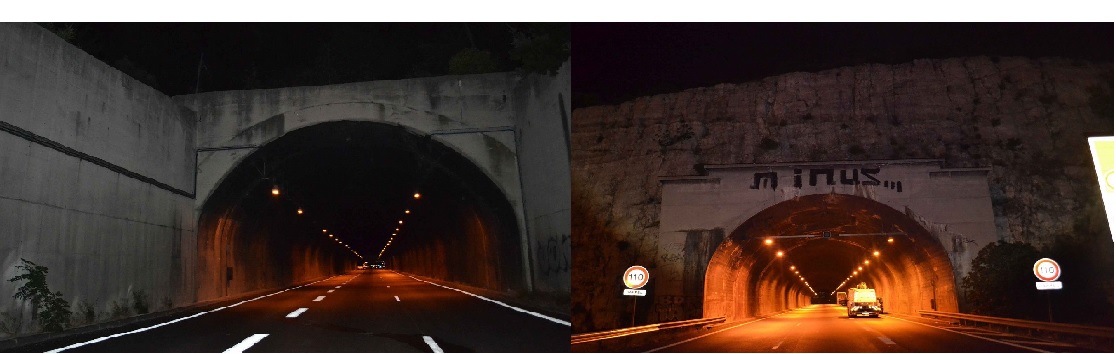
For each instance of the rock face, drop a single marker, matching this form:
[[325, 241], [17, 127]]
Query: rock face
[[1027, 119]]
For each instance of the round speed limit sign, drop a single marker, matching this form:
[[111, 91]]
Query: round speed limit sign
[[636, 277], [1047, 269]]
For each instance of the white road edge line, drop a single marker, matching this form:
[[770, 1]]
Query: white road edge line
[[159, 325], [709, 334], [974, 336], [433, 346], [397, 298], [532, 313], [319, 298], [295, 313], [246, 343]]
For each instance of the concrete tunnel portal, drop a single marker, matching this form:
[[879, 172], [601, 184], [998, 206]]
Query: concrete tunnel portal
[[747, 276], [355, 180]]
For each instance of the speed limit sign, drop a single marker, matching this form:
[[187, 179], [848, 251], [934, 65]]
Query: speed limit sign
[[636, 277], [1047, 269]]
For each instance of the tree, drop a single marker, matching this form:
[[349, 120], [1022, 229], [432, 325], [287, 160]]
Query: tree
[[1000, 282], [472, 61], [542, 47]]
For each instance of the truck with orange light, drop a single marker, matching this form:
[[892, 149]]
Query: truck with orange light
[[862, 302]]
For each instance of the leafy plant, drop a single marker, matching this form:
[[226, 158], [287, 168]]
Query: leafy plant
[[53, 310], [1000, 283]]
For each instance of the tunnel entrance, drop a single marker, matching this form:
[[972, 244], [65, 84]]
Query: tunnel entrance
[[322, 199], [758, 271]]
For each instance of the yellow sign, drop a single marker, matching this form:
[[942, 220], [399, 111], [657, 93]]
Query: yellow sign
[[1105, 161]]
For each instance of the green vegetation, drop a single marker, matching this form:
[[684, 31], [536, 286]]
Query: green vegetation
[[472, 61], [53, 311], [999, 283]]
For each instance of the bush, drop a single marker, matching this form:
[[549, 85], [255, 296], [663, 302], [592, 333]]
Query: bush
[[1000, 282], [53, 311]]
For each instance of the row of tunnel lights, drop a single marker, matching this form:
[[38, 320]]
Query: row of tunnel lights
[[779, 253], [396, 233], [299, 211]]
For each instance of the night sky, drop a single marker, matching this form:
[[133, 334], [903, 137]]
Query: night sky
[[269, 55], [618, 62]]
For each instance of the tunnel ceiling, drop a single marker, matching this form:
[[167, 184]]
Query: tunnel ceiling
[[355, 179], [827, 263]]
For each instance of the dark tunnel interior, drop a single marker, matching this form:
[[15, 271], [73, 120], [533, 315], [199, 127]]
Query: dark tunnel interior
[[759, 270], [342, 189]]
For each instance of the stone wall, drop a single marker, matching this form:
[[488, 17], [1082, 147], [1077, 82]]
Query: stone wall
[[96, 180], [1027, 119]]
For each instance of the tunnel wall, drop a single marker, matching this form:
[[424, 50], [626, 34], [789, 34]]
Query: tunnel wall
[[108, 206], [261, 250], [542, 123], [510, 126]]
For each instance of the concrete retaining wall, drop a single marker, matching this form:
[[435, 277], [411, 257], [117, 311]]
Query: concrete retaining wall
[[96, 178]]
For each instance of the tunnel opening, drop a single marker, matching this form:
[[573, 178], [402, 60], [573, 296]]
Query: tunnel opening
[[323, 199], [781, 259]]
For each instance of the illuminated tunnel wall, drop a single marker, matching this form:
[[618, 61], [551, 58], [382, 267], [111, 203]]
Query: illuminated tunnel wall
[[355, 180], [747, 278]]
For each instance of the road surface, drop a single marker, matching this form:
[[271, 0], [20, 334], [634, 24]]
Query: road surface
[[363, 311], [826, 328]]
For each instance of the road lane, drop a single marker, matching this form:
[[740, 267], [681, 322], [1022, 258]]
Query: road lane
[[361, 314], [826, 328]]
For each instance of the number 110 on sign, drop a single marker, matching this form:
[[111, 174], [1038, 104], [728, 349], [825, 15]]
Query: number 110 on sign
[[636, 277]]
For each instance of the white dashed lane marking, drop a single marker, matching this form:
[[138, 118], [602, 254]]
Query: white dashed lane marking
[[297, 312], [331, 290], [319, 298], [246, 343], [397, 298], [433, 346]]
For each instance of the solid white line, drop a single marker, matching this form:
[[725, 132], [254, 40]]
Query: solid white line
[[246, 343], [397, 298], [72, 346], [974, 336], [160, 325], [331, 290], [532, 313], [319, 298], [706, 335], [297, 312], [433, 346]]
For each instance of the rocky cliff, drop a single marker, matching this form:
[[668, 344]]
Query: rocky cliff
[[1027, 119]]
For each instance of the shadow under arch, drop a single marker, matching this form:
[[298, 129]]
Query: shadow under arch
[[355, 179], [746, 278]]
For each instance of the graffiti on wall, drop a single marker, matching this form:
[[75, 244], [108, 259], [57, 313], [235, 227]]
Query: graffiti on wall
[[554, 255], [677, 308], [829, 176]]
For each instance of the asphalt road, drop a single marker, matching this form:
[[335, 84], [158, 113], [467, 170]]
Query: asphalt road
[[826, 328], [363, 311]]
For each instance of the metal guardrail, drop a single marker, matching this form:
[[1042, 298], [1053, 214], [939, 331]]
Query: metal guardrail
[[598, 336], [1063, 328]]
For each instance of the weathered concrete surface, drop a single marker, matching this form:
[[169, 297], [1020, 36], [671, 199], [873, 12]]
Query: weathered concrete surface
[[952, 207], [508, 125], [1026, 119], [542, 126], [102, 234]]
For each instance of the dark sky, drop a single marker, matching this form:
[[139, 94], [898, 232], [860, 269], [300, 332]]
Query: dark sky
[[268, 55], [618, 62]]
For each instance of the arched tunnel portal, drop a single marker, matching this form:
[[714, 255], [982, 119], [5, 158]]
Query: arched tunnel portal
[[755, 272], [322, 199]]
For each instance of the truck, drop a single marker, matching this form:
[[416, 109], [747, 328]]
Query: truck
[[841, 299], [863, 302]]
